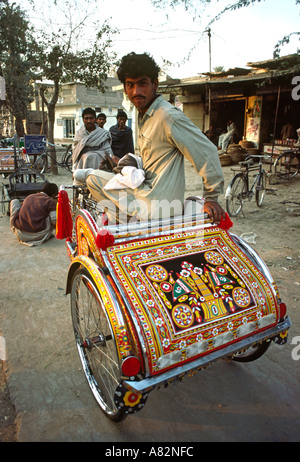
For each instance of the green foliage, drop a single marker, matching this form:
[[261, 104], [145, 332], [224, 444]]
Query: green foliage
[[55, 56], [67, 55], [284, 41], [15, 60]]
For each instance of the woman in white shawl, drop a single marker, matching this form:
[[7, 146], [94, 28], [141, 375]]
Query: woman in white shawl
[[90, 143]]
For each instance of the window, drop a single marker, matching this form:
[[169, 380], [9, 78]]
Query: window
[[69, 128]]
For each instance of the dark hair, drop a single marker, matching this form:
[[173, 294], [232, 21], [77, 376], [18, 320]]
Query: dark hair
[[135, 65], [51, 189], [101, 115], [122, 114], [88, 110]]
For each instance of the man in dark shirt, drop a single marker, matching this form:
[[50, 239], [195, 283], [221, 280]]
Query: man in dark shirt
[[34, 220], [122, 140]]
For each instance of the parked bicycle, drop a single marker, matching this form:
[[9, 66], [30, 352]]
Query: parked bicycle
[[41, 162], [287, 165], [239, 190]]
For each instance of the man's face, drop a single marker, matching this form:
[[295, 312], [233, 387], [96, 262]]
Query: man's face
[[89, 121], [101, 121], [121, 122], [141, 92]]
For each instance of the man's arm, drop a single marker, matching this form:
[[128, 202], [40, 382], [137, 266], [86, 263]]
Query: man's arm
[[203, 155]]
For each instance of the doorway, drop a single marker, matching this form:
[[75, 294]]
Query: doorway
[[225, 110]]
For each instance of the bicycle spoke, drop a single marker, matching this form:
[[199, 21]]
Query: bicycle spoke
[[95, 342]]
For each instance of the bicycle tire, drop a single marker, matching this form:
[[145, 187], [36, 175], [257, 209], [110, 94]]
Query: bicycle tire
[[95, 343], [40, 164], [235, 199], [69, 162], [260, 190], [287, 165]]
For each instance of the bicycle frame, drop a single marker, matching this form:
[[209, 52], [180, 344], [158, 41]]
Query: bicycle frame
[[41, 161], [249, 192], [238, 190]]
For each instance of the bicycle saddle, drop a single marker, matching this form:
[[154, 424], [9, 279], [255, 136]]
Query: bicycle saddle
[[246, 163]]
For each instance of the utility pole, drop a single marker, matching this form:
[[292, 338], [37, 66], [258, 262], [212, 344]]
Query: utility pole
[[209, 89], [209, 47]]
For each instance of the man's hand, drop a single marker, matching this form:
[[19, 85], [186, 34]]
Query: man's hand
[[214, 211]]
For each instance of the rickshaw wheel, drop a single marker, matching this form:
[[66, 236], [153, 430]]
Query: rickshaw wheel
[[252, 353], [95, 343]]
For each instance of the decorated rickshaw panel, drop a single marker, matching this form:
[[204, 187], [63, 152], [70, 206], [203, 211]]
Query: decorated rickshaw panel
[[192, 292], [86, 232]]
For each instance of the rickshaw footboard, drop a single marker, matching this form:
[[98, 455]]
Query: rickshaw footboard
[[165, 378]]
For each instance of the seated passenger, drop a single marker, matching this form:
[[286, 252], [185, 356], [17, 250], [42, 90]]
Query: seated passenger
[[128, 171], [90, 143], [166, 137]]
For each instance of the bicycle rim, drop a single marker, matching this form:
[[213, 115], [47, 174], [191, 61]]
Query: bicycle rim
[[95, 343], [40, 164], [287, 166], [260, 189], [235, 201]]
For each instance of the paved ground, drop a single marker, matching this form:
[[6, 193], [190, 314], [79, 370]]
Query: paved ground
[[46, 398]]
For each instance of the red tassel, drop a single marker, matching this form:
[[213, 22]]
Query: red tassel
[[104, 219], [104, 239], [225, 223], [64, 222]]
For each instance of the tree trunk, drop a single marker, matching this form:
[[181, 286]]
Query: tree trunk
[[51, 120], [19, 126]]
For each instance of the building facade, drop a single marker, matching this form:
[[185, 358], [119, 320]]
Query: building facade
[[261, 100], [74, 97]]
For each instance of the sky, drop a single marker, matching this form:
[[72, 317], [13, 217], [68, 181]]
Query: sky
[[246, 35]]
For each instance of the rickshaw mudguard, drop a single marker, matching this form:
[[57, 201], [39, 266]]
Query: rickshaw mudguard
[[196, 297], [110, 301], [86, 232]]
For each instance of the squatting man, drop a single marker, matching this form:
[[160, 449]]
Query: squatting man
[[166, 136]]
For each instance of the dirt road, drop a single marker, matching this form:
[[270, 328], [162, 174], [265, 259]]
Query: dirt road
[[46, 395]]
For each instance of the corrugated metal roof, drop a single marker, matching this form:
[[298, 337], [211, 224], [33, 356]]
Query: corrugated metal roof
[[264, 70]]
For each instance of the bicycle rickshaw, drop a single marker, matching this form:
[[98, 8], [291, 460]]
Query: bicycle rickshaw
[[22, 180], [156, 301]]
